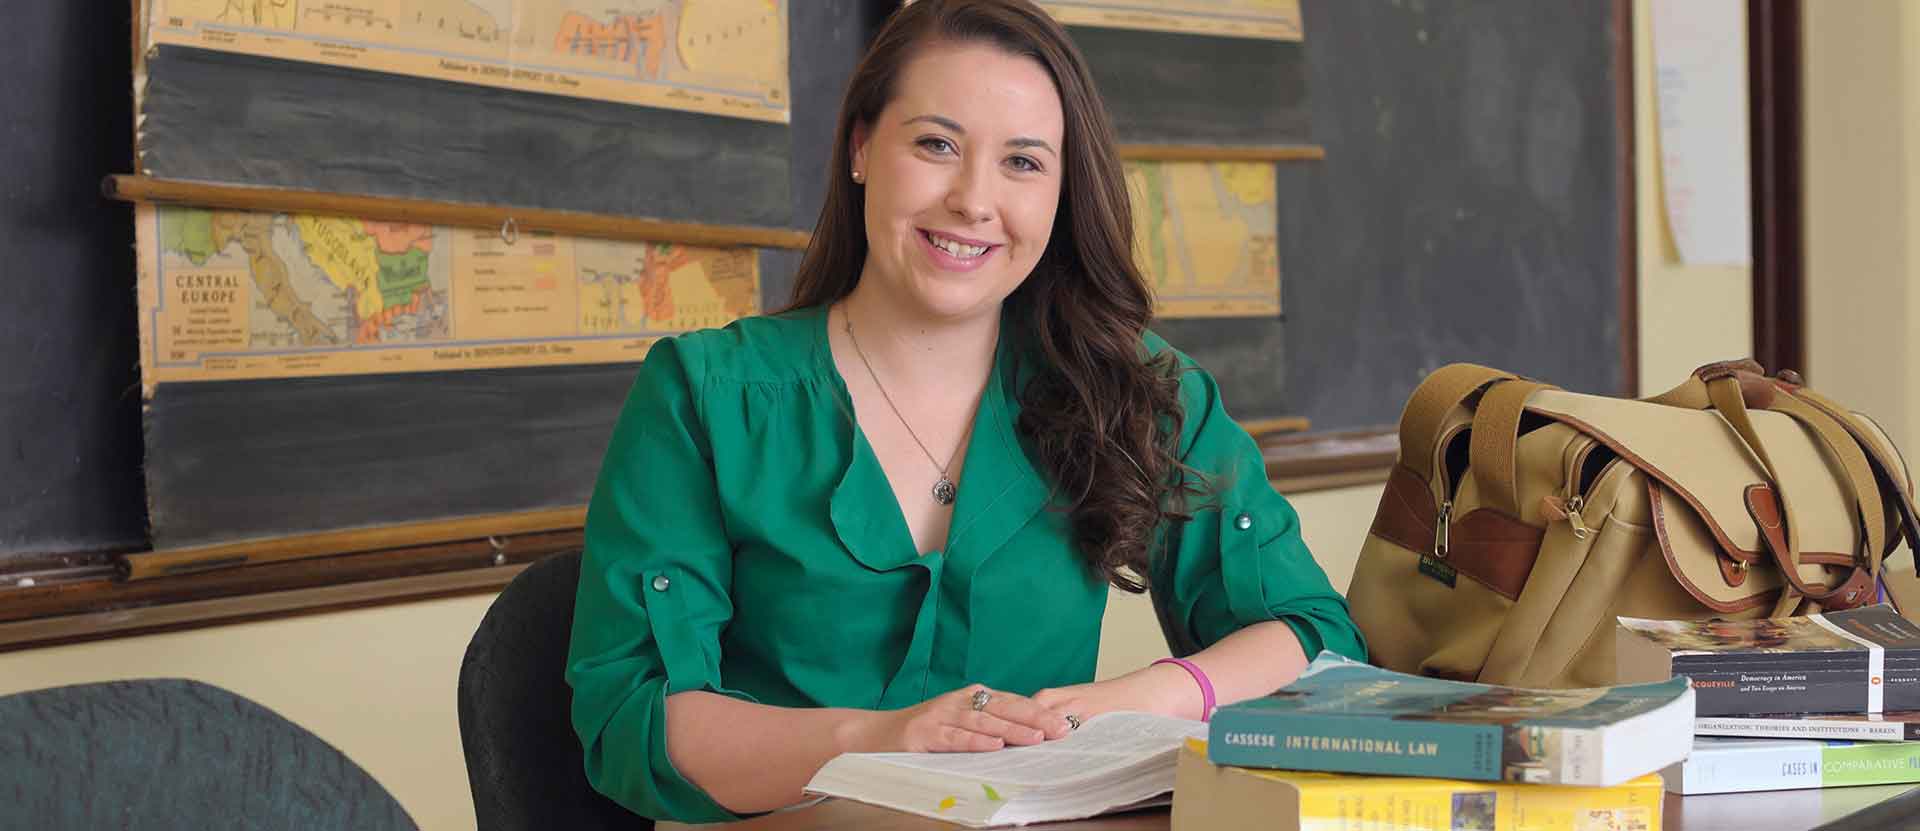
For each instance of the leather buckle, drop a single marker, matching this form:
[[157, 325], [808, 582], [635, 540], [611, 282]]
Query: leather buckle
[[1728, 369]]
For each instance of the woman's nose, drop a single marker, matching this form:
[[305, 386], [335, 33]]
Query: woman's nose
[[971, 197]]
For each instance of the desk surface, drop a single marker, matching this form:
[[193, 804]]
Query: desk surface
[[1767, 811]]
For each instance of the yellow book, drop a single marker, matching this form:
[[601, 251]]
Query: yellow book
[[1209, 797]]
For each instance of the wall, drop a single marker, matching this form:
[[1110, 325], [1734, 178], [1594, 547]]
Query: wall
[[1862, 174], [1690, 315], [376, 683], [379, 683]]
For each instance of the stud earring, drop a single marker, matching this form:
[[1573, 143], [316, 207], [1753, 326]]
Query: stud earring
[[859, 178]]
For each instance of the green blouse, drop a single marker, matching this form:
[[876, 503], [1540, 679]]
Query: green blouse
[[743, 539]]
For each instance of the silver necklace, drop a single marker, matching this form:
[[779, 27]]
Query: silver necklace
[[944, 490]]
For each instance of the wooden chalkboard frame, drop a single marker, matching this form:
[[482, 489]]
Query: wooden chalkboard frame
[[71, 601]]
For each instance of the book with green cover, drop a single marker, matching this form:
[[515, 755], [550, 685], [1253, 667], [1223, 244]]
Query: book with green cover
[[1347, 717], [1721, 765]]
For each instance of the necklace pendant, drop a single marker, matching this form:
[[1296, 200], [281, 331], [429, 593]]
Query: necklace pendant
[[944, 491]]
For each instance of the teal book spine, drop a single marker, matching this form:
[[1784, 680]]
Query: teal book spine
[[1349, 744]]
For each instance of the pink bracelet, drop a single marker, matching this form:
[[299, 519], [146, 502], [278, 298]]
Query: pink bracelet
[[1200, 677]]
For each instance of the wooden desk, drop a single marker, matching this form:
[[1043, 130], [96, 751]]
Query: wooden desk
[[1767, 811]]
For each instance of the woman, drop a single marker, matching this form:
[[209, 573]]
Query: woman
[[886, 519]]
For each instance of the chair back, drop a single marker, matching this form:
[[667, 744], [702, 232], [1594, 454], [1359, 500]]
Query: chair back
[[174, 753], [523, 759]]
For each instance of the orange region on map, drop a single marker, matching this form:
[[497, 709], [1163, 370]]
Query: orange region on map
[[626, 39], [399, 237]]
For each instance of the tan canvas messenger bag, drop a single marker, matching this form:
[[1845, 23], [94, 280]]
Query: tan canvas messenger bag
[[1521, 519]]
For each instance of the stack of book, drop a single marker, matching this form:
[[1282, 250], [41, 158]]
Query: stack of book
[[1805, 702], [1347, 746], [1350, 745]]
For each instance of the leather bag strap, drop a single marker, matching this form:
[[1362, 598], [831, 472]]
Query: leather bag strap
[[1448, 387], [1733, 388], [1773, 513], [1885, 467], [1496, 439]]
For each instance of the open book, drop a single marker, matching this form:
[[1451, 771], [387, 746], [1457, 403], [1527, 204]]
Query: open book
[[1114, 762]]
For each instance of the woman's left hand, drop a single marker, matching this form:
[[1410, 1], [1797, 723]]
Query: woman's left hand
[[1165, 689]]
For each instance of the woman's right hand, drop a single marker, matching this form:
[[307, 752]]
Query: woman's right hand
[[949, 724]]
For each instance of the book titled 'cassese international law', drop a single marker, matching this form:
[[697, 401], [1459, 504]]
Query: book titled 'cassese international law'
[[1864, 660], [1347, 717]]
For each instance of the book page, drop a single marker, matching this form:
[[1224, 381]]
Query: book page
[[1103, 744]]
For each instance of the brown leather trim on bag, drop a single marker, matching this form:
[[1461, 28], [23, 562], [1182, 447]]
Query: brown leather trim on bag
[[1655, 474], [1859, 587], [1823, 558], [1495, 549], [1666, 550], [1723, 369], [1764, 505], [1406, 513], [1758, 393]]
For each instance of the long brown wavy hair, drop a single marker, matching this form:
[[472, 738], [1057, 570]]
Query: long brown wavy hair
[[1097, 409]]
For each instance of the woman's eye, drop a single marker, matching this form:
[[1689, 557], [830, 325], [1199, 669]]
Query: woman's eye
[[1024, 164], [936, 145]]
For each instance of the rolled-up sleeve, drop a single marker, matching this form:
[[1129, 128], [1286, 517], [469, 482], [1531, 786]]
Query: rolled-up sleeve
[[653, 595], [1241, 559]]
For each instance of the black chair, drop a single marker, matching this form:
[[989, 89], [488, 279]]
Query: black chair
[[172, 753], [523, 759]]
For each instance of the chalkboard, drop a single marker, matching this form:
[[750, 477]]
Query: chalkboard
[[223, 117], [1163, 88], [1468, 209], [69, 389], [248, 459]]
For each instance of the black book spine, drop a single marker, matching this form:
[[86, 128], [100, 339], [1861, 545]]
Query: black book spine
[[1800, 682]]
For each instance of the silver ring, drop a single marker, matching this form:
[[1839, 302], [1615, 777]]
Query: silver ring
[[1073, 722], [980, 699]]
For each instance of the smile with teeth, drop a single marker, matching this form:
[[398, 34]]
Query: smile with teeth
[[955, 247]]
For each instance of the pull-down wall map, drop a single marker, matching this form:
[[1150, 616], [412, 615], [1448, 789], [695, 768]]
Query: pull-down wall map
[[723, 58], [233, 295]]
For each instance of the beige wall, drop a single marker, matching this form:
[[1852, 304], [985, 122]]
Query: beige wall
[[1863, 207], [379, 683], [376, 683], [1689, 315]]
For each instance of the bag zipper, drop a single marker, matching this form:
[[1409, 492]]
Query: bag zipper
[[1450, 484], [1578, 486]]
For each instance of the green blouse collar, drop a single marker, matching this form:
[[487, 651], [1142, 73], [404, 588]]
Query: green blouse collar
[[1000, 488]]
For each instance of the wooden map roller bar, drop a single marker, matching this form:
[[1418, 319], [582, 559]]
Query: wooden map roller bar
[[129, 188], [167, 563]]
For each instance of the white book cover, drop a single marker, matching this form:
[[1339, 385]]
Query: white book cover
[[1865, 727], [1114, 762], [1723, 765]]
